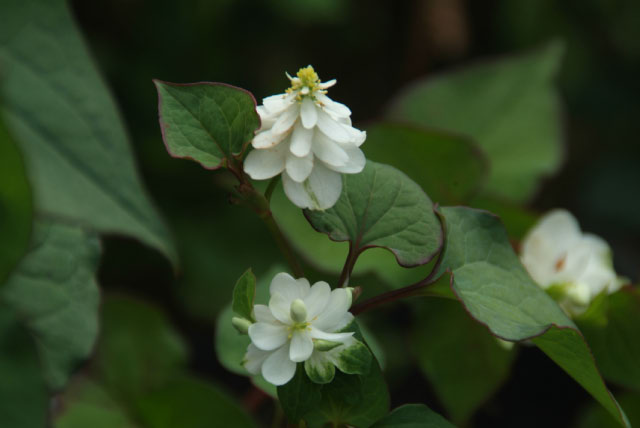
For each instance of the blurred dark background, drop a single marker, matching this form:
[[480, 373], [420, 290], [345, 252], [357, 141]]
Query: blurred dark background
[[374, 49]]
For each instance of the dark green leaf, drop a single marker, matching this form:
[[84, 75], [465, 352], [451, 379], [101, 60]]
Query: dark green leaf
[[508, 107], [597, 417], [382, 207], [449, 168], [207, 122], [139, 350], [495, 289], [15, 204], [413, 416], [74, 143], [54, 290], [23, 393], [462, 360], [189, 402], [614, 341], [244, 294]]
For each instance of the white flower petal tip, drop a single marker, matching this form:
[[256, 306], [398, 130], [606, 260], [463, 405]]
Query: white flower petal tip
[[302, 323], [577, 266], [303, 131]]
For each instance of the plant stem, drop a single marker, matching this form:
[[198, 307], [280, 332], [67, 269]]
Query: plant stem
[[271, 187], [343, 281], [283, 244]]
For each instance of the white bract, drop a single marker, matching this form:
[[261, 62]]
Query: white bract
[[307, 137], [576, 265], [302, 323]]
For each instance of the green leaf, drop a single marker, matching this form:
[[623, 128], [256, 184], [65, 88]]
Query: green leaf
[[207, 122], [56, 106], [139, 350], [597, 417], [382, 207], [231, 346], [190, 402], [55, 291], [509, 107], [463, 362], [614, 341], [244, 294], [16, 209], [24, 399], [495, 289], [353, 399], [87, 404], [449, 168], [413, 416]]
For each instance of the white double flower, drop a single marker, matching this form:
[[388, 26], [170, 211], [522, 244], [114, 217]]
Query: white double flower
[[575, 265], [307, 137], [301, 324]]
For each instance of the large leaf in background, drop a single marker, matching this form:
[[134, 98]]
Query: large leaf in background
[[74, 143], [508, 107], [357, 400], [189, 402], [16, 209], [495, 289], [413, 416], [207, 122], [139, 350], [449, 168], [612, 330], [465, 364], [54, 290], [24, 399], [382, 207], [597, 417]]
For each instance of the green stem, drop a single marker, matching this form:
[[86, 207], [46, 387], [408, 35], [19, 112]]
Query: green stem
[[271, 187], [347, 269]]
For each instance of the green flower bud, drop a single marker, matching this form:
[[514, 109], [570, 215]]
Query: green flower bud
[[298, 311], [241, 324], [325, 345]]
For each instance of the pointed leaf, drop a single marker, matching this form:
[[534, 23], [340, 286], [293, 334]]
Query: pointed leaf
[[382, 207], [413, 416], [509, 107], [206, 122], [495, 289], [73, 140], [54, 289], [244, 294]]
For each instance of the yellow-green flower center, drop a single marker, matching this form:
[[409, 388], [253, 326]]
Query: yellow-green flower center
[[306, 77]]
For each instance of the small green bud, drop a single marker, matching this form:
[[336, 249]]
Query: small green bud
[[325, 345], [241, 324], [298, 311]]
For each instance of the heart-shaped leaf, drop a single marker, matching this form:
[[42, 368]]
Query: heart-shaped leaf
[[54, 290], [496, 290], [67, 126], [382, 207], [508, 107], [207, 122]]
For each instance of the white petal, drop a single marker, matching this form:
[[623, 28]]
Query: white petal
[[267, 139], [327, 84], [289, 287], [254, 358], [263, 314], [345, 321], [308, 113], [299, 169], [301, 139], [301, 346], [334, 107], [332, 129], [317, 299], [266, 120], [319, 192], [331, 317], [261, 164], [278, 369], [276, 104], [334, 337], [356, 162], [268, 336], [280, 307], [286, 120], [328, 150]]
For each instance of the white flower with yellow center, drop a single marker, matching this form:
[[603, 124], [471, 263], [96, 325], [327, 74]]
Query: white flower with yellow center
[[574, 265], [307, 137], [302, 324]]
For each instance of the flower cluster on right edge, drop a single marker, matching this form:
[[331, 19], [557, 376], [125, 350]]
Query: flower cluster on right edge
[[573, 266]]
